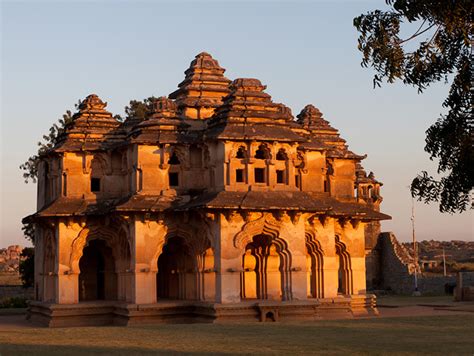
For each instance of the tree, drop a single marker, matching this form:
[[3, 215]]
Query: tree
[[30, 166], [29, 231], [140, 109], [27, 267], [442, 52]]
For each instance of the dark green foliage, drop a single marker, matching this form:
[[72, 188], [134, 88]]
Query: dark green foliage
[[30, 167], [445, 29], [29, 231], [13, 302], [140, 109], [27, 267]]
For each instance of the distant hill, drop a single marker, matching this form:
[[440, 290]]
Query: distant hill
[[459, 255]]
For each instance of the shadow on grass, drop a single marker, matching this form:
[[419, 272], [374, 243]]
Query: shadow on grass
[[61, 350]]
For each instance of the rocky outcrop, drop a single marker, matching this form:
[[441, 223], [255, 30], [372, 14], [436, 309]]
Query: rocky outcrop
[[10, 258]]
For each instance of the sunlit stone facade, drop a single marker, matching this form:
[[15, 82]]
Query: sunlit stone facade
[[220, 206]]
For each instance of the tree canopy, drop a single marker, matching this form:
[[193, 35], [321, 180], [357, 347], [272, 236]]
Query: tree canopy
[[439, 49], [30, 166], [141, 110]]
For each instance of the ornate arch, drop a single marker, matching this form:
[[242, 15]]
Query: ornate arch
[[182, 154], [345, 266], [266, 224], [115, 239], [316, 269]]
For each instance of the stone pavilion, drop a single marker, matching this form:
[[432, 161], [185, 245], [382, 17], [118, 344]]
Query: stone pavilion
[[220, 206]]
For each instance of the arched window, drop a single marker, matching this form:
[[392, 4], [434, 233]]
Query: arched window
[[315, 271], [262, 152], [174, 159], [240, 152], [281, 155], [344, 269]]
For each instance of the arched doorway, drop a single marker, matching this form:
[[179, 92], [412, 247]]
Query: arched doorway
[[177, 276], [314, 264], [344, 269], [265, 264], [97, 278]]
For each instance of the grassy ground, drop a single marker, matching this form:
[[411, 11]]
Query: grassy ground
[[416, 335], [405, 301], [10, 279]]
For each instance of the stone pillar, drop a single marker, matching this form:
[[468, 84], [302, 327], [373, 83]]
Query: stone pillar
[[39, 255], [67, 279], [325, 234], [228, 259], [68, 288], [354, 239], [330, 276], [293, 232], [147, 238], [143, 289], [358, 275]]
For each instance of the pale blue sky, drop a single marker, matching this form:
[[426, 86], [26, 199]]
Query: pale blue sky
[[54, 53]]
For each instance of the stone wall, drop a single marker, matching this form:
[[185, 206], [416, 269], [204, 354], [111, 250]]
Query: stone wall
[[398, 270], [464, 287]]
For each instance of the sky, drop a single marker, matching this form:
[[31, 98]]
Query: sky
[[54, 53]]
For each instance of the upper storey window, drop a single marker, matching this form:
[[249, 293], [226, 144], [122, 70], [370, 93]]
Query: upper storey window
[[260, 175], [262, 152], [281, 155], [95, 185], [240, 152], [174, 159], [173, 179]]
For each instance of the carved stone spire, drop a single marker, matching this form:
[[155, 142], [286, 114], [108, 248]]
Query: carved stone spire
[[312, 119], [249, 112], [321, 133], [92, 127], [202, 89], [163, 126]]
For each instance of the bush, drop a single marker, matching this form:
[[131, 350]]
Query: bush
[[27, 267], [14, 302]]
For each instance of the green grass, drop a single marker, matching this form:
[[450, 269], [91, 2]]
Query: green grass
[[420, 335]]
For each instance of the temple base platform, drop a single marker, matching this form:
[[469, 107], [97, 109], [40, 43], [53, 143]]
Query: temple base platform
[[100, 313]]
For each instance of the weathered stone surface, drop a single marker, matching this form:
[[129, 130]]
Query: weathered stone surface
[[202, 89], [219, 200]]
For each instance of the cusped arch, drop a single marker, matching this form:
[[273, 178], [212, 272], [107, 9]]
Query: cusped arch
[[116, 239], [345, 266], [265, 224], [315, 260]]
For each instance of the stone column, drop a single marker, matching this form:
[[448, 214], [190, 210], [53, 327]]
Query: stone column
[[147, 237], [228, 259], [67, 279], [39, 255], [353, 237], [325, 234], [293, 232]]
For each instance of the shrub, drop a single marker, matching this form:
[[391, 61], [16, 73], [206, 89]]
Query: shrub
[[14, 302]]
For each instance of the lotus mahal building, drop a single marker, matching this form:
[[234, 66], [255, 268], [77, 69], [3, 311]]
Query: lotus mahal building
[[219, 206]]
